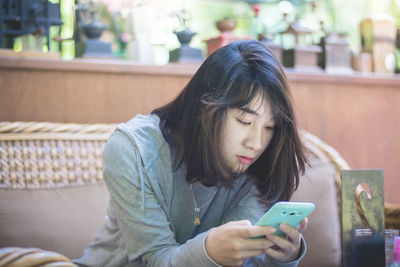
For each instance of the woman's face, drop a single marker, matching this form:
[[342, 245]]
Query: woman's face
[[246, 134]]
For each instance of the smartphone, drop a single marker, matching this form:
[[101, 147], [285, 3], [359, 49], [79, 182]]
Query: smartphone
[[291, 213]]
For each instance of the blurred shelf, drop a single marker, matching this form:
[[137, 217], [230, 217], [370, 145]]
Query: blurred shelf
[[181, 69]]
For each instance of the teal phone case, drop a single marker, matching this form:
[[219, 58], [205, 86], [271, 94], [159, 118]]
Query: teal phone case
[[291, 213]]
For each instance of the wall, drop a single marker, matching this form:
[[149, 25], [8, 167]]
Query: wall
[[84, 92], [357, 115]]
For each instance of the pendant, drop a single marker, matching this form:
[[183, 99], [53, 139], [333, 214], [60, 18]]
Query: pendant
[[196, 220]]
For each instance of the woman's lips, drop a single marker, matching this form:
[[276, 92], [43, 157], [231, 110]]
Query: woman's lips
[[245, 160]]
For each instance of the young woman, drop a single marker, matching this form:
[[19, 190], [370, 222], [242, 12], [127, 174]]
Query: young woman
[[188, 181]]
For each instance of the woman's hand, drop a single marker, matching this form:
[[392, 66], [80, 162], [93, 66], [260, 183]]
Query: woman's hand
[[286, 249], [230, 245]]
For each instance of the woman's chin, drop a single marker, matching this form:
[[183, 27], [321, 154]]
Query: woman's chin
[[236, 174], [241, 169]]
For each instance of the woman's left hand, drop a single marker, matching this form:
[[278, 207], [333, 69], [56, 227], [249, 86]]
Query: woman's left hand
[[286, 249]]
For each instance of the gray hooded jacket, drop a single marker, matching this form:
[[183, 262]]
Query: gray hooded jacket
[[149, 221]]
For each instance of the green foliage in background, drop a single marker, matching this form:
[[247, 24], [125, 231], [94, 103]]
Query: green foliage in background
[[337, 16], [67, 29], [341, 16]]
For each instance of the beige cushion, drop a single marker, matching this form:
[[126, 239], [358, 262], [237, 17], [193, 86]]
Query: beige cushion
[[323, 233], [62, 220], [65, 219]]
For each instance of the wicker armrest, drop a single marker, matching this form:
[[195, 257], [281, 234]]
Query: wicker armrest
[[392, 215], [17, 257]]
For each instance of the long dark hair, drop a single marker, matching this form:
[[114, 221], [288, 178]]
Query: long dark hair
[[230, 78]]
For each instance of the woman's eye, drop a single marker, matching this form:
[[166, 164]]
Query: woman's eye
[[243, 122], [270, 128]]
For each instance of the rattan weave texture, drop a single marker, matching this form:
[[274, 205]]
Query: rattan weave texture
[[47, 155], [29, 257]]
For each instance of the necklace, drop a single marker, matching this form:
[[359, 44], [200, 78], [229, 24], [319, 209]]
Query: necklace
[[197, 209]]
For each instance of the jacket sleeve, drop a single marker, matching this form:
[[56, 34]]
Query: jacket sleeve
[[249, 208], [144, 226]]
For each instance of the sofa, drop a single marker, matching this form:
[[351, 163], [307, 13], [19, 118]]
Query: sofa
[[53, 198]]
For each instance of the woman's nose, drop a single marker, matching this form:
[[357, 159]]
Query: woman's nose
[[254, 140]]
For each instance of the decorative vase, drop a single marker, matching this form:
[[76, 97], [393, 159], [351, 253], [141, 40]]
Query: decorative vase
[[185, 53], [93, 30], [93, 46], [185, 36], [226, 25]]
